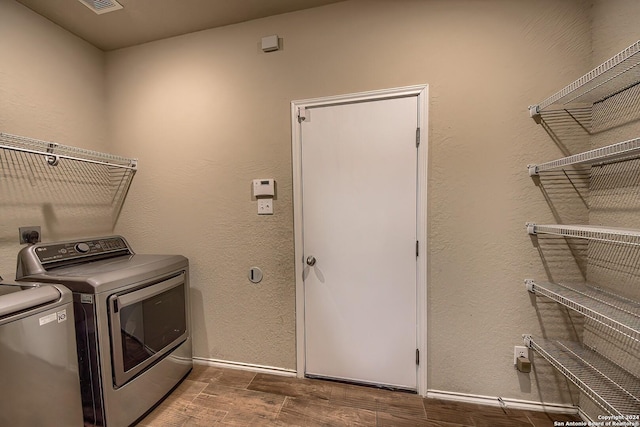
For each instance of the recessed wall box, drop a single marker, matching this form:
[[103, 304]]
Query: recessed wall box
[[263, 188], [30, 234], [270, 43]]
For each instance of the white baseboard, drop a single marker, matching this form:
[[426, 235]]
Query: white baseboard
[[555, 408], [244, 366]]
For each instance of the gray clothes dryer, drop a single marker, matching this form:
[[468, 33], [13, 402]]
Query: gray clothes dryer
[[132, 317]]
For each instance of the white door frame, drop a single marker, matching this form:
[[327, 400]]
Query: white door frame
[[422, 93]]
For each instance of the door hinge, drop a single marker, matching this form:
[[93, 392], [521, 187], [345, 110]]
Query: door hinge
[[417, 248], [417, 356], [417, 137], [302, 114]]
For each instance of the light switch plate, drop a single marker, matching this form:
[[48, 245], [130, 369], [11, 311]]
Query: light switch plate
[[265, 206]]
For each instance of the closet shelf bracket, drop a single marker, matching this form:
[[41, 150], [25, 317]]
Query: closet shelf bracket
[[534, 111]]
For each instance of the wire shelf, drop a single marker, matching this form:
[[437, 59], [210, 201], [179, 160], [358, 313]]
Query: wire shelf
[[612, 388], [625, 150], [620, 314], [611, 77], [54, 151], [603, 234], [62, 178]]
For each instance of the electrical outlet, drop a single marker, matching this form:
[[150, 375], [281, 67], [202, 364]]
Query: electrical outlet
[[29, 234], [520, 351]]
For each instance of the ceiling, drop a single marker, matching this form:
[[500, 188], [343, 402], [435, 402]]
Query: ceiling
[[142, 21]]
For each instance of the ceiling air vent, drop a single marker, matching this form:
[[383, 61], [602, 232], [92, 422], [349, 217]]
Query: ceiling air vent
[[101, 6]]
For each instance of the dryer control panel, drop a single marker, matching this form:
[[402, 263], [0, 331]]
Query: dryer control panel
[[65, 251]]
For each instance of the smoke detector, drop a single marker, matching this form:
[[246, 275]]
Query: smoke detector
[[101, 6]]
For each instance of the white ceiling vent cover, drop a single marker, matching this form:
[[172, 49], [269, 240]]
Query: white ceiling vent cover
[[101, 6]]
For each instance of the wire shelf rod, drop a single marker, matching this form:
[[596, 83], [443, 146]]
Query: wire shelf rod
[[609, 79], [23, 141], [55, 150], [611, 387], [605, 73], [622, 150], [597, 233], [621, 315], [133, 166]]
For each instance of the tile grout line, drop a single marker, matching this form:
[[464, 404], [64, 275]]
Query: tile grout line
[[250, 382], [187, 407], [424, 409], [281, 406]]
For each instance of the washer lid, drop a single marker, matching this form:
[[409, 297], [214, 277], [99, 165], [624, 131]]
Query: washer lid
[[14, 299]]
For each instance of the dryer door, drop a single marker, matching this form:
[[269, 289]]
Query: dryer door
[[152, 321]]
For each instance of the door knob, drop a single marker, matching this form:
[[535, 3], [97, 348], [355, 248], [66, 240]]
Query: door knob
[[311, 260]]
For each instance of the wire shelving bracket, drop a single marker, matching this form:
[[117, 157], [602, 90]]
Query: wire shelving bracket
[[620, 314], [611, 387], [621, 151], [620, 72]]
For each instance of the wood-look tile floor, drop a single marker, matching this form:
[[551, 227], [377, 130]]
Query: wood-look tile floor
[[216, 397]]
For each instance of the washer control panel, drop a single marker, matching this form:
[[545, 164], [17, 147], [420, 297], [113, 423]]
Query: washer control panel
[[54, 252]]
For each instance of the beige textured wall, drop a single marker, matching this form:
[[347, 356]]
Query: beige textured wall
[[208, 112], [51, 88], [614, 27]]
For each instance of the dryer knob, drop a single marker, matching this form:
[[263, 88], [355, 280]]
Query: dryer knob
[[82, 248]]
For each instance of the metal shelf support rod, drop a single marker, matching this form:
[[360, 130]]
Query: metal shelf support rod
[[624, 149], [133, 164], [602, 234]]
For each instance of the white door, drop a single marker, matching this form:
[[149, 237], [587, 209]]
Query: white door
[[359, 205]]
